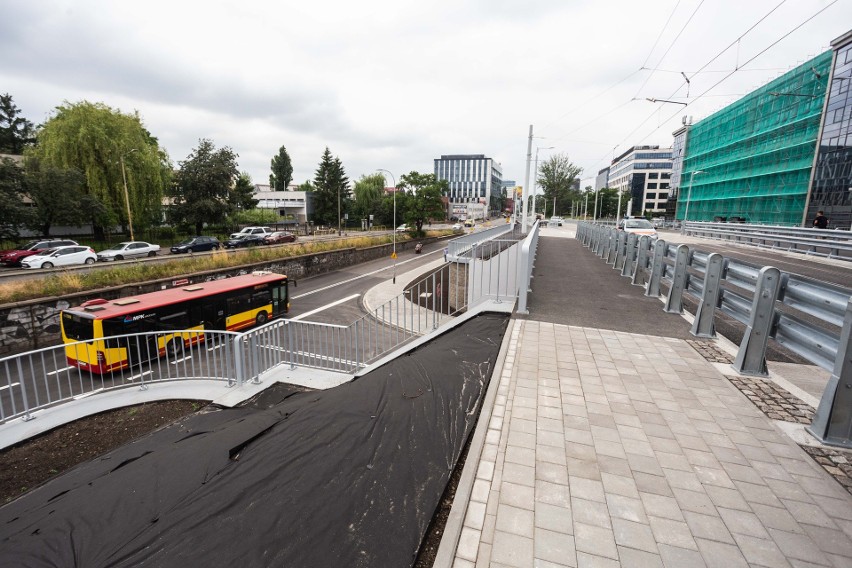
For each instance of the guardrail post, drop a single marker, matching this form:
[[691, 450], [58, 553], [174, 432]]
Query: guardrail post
[[619, 251], [703, 325], [751, 357], [641, 260], [629, 254], [674, 301], [657, 267], [239, 363], [832, 423]]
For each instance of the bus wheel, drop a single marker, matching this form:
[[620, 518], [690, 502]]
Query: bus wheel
[[261, 318], [174, 347]]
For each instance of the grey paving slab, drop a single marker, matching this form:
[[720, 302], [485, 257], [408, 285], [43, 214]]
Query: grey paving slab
[[629, 450]]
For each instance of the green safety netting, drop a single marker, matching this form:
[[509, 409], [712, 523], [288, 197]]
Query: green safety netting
[[755, 155]]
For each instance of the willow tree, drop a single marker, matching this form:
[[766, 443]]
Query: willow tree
[[111, 149]]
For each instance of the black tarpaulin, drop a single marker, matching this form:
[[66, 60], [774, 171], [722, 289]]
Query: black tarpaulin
[[350, 476]]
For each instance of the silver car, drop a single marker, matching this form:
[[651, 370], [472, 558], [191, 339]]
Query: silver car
[[129, 249]]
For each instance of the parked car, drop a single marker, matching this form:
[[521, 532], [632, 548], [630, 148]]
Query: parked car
[[243, 241], [457, 227], [196, 244], [638, 226], [61, 256], [262, 231], [13, 257], [279, 237], [129, 249], [469, 223], [555, 221], [403, 229]]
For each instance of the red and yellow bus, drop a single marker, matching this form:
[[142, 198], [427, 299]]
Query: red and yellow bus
[[178, 316]]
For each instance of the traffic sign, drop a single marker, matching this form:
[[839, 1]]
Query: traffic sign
[[393, 255]]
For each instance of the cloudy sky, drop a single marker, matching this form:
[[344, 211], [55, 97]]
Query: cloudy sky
[[395, 84]]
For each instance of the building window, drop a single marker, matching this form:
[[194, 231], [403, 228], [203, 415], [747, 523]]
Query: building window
[[652, 186], [650, 196], [653, 175], [663, 196]]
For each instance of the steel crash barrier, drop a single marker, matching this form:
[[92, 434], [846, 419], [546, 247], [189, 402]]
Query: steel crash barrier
[[498, 270], [821, 242], [810, 318]]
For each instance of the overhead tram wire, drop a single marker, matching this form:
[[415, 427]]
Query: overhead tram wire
[[728, 76], [671, 45], [693, 74], [642, 67]]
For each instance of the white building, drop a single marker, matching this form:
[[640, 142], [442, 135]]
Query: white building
[[290, 204], [645, 173]]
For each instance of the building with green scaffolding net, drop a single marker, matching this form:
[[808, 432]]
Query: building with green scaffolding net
[[752, 160]]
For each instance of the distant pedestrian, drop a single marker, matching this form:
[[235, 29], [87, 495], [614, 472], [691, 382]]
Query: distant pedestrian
[[820, 221], [446, 251]]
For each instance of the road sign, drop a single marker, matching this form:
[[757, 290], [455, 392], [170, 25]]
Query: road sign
[[393, 255]]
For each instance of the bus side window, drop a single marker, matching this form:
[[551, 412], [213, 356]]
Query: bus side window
[[239, 304], [173, 321], [260, 299]]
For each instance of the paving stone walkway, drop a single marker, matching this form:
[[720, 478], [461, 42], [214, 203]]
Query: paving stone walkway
[[607, 448]]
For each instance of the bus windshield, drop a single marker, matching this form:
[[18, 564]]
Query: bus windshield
[[76, 327]]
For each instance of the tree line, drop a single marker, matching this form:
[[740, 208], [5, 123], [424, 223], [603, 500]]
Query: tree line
[[93, 164]]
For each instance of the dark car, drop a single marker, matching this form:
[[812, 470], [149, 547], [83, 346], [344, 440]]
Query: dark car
[[279, 237], [196, 244], [13, 257], [244, 241]]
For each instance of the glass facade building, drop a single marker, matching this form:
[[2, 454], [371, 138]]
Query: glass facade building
[[473, 178], [831, 184]]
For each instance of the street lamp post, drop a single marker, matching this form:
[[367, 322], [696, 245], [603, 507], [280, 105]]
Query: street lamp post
[[535, 176], [393, 256], [689, 193], [126, 193]]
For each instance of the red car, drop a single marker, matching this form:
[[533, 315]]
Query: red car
[[279, 237], [13, 257]]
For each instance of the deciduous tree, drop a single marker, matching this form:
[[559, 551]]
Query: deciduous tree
[[57, 197], [202, 186], [95, 139], [423, 201], [242, 195], [282, 171], [369, 192], [558, 177], [14, 214]]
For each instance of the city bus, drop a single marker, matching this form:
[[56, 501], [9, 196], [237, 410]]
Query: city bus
[[178, 315]]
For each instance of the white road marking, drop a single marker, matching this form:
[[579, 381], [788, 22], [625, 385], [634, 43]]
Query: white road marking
[[139, 376], [9, 386], [57, 371], [176, 361], [361, 276], [327, 306]]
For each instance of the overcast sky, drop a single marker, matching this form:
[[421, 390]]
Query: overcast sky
[[395, 84]]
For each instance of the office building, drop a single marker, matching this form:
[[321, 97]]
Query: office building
[[473, 178], [643, 172]]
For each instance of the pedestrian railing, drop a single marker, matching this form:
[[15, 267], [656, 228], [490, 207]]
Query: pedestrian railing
[[822, 242], [810, 318], [460, 247], [490, 270]]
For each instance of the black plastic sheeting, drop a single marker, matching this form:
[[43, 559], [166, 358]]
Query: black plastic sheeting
[[349, 476]]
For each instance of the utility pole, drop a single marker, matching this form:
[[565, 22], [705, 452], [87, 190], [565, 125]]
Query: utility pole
[[526, 189]]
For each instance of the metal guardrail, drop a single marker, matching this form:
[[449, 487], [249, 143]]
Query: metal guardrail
[[821, 242], [491, 270], [810, 318]]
